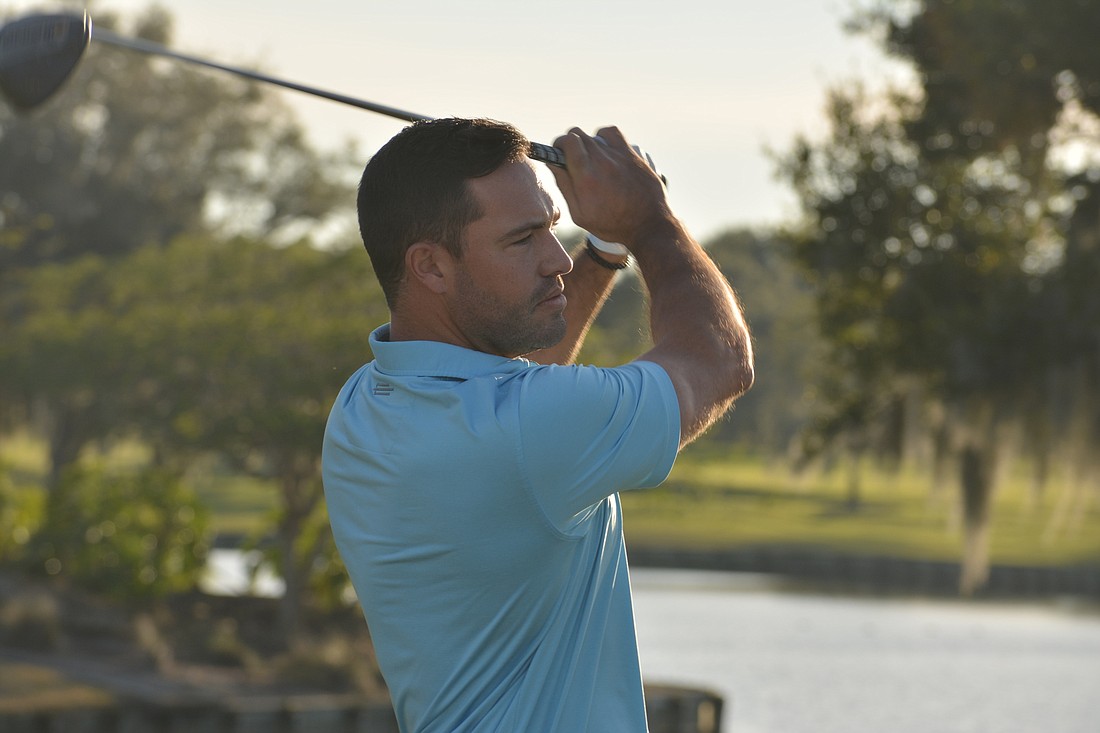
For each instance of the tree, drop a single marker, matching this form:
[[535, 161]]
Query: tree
[[137, 535], [105, 330], [248, 348], [934, 236], [1019, 78], [994, 75], [134, 153], [208, 346]]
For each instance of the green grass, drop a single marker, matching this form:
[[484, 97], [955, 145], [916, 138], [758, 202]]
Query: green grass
[[23, 458], [725, 503], [238, 504]]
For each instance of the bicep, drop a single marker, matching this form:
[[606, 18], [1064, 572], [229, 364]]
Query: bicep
[[699, 389]]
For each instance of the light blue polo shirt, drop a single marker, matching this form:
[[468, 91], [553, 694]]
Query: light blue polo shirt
[[473, 500]]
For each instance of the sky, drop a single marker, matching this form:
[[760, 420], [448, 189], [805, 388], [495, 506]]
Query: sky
[[705, 86]]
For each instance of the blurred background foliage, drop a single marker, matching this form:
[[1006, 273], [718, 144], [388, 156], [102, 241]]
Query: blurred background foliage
[[179, 285]]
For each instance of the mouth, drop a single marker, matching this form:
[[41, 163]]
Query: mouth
[[556, 299]]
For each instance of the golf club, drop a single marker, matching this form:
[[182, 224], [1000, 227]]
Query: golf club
[[39, 52]]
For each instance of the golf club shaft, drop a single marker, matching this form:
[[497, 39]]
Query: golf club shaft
[[540, 152]]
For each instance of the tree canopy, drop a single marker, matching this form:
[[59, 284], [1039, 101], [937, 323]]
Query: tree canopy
[[155, 282], [943, 234], [133, 151]]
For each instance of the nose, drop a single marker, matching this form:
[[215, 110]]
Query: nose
[[556, 261]]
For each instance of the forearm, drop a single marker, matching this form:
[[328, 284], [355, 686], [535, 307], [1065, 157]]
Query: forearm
[[586, 289], [690, 299], [699, 334], [699, 331]]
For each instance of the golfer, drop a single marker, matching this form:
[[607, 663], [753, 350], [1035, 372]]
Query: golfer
[[471, 470]]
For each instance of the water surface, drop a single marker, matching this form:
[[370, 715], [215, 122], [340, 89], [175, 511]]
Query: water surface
[[797, 663]]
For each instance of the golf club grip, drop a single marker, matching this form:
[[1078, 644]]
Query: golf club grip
[[554, 156], [547, 154]]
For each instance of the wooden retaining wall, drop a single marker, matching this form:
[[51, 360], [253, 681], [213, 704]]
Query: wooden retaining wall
[[670, 710]]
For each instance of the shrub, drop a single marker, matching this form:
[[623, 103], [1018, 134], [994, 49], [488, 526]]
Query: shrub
[[21, 511], [126, 535]]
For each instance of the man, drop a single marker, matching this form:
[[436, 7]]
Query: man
[[471, 475]]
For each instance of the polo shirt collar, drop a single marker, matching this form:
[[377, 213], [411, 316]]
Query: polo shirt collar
[[437, 359]]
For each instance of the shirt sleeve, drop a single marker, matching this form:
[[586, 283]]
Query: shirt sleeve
[[587, 432]]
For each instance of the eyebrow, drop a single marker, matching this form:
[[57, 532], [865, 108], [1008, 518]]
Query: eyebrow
[[532, 225]]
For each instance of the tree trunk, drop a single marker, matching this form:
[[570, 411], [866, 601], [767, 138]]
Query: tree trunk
[[977, 479], [301, 494], [67, 438], [290, 605], [855, 480], [1040, 477]]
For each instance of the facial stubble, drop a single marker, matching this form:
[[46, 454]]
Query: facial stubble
[[508, 329]]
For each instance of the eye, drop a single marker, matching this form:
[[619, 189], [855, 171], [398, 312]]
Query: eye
[[525, 240]]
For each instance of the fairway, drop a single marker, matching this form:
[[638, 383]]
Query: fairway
[[711, 502], [722, 502]]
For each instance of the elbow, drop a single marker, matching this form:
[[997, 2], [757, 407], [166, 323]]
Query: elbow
[[731, 368], [745, 378], [701, 406], [742, 363], [740, 380]]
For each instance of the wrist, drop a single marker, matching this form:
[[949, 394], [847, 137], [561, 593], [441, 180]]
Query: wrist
[[610, 259], [611, 248], [657, 234]]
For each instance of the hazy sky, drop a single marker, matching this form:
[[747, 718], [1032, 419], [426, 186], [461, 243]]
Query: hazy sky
[[704, 86]]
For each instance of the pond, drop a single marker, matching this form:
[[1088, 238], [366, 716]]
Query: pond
[[790, 662], [802, 663]]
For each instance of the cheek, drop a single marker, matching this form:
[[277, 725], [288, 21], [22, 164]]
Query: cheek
[[513, 271], [510, 275], [495, 285]]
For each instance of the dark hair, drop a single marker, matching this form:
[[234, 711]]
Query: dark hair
[[414, 188]]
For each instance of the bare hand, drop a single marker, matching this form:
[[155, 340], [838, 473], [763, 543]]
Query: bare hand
[[610, 189]]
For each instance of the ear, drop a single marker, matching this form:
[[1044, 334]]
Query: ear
[[430, 264]]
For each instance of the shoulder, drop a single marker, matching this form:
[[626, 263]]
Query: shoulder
[[555, 396], [585, 433], [580, 379]]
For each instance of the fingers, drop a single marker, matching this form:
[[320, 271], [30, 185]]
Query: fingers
[[609, 189], [611, 143], [572, 144], [586, 154], [613, 137], [584, 157]]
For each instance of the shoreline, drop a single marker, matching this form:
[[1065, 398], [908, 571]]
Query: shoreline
[[826, 569]]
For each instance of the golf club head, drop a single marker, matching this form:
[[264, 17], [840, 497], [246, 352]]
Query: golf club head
[[37, 55]]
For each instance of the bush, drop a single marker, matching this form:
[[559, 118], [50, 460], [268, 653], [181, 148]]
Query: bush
[[21, 511], [131, 535]]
